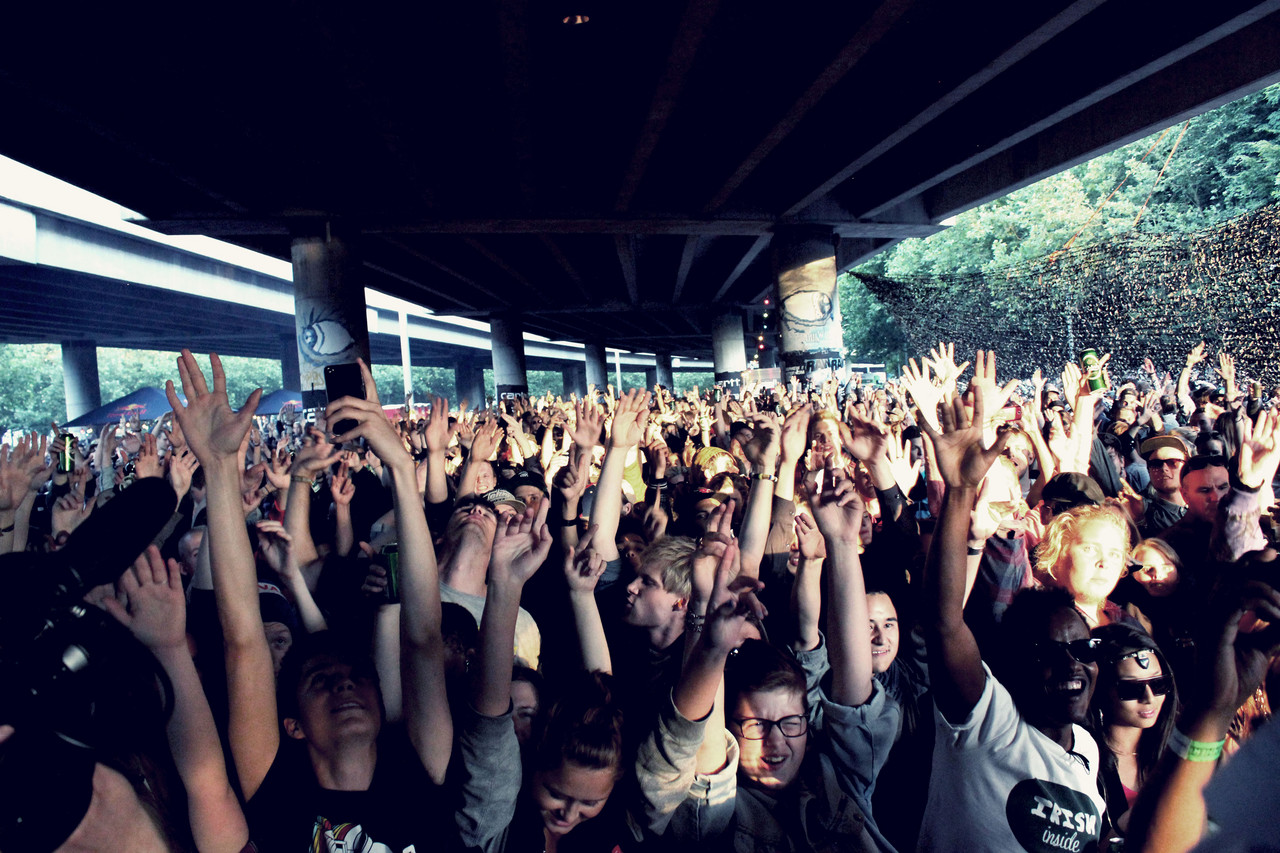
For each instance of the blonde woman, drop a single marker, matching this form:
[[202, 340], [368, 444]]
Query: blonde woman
[[1086, 552]]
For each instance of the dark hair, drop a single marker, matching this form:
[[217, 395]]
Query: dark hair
[[1024, 625], [758, 667], [583, 726], [308, 647], [456, 621], [1118, 642], [1199, 463]]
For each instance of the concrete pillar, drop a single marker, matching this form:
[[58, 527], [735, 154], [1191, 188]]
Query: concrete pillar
[[468, 383], [80, 377], [804, 268], [650, 378], [328, 307], [506, 334], [575, 379], [597, 365], [290, 378], [662, 361], [728, 352], [406, 362]]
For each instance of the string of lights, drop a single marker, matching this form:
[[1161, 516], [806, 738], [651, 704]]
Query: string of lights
[[1133, 296]]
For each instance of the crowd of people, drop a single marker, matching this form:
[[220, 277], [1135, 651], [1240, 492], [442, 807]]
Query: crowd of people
[[935, 615]]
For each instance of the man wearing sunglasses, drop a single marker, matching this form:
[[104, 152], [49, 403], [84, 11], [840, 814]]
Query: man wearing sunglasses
[[1162, 502]]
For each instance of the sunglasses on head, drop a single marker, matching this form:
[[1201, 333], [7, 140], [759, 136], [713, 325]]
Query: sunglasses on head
[[1084, 651], [1132, 689]]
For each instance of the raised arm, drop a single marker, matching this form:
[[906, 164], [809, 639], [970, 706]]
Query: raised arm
[[582, 570], [955, 664], [794, 442], [1232, 661], [806, 591], [629, 421], [214, 433], [437, 435], [152, 607], [520, 546], [426, 708], [482, 447], [762, 452], [837, 509]]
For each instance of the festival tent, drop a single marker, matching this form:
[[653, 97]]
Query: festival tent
[[270, 403], [145, 403]]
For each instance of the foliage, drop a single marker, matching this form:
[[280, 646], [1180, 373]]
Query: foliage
[[1226, 164]]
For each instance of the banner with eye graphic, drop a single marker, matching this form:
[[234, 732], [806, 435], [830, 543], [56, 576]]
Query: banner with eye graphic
[[329, 311]]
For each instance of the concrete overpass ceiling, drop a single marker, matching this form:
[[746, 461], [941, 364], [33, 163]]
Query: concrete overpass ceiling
[[618, 179]]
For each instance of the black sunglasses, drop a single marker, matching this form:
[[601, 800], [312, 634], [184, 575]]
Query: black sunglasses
[[1128, 690], [1084, 651]]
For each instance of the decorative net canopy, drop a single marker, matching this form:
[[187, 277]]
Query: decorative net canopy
[[1136, 295]]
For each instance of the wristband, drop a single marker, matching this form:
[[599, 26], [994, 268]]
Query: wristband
[[568, 522], [772, 478], [1194, 750], [974, 552], [8, 529], [298, 478]]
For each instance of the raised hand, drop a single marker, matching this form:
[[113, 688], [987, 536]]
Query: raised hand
[[485, 442], [1259, 449], [588, 420], [572, 480], [865, 439], [437, 432], [278, 469], [732, 604], [1196, 355], [341, 489], [984, 382], [837, 506], [583, 566], [812, 544], [520, 546], [629, 419], [942, 359], [927, 396], [156, 609], [70, 510], [315, 455], [962, 460], [210, 427], [713, 545], [182, 465], [22, 467], [766, 442], [905, 472], [657, 452], [795, 433], [371, 424], [277, 547]]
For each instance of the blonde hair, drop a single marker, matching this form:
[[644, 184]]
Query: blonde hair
[[1064, 530], [674, 555]]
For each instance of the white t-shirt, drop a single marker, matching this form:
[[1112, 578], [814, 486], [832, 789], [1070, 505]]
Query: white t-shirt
[[528, 637], [1002, 785]]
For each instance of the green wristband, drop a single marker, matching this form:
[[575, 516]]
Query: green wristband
[[1194, 750]]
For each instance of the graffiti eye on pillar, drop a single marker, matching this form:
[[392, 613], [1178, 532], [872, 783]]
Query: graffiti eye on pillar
[[324, 337], [807, 308]]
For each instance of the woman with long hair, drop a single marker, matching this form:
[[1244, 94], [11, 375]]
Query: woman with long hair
[[1134, 705]]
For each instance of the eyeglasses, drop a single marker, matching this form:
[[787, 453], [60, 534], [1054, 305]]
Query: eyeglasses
[[754, 728], [1165, 463], [1128, 690], [1084, 651]]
